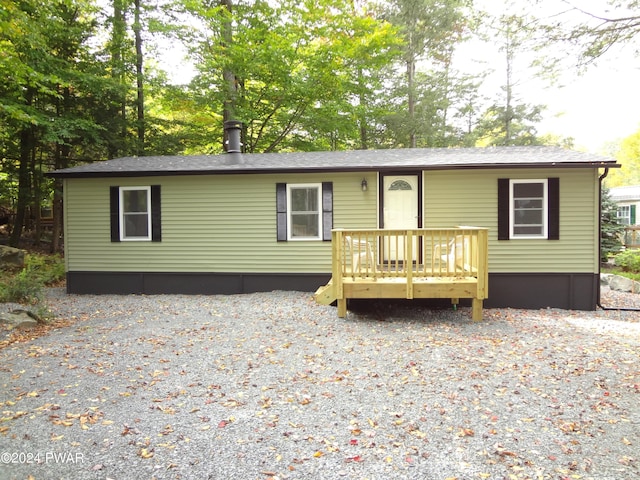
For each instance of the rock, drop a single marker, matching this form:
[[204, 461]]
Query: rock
[[605, 278], [623, 284], [11, 257], [19, 319]]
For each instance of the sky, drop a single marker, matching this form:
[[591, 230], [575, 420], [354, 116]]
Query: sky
[[598, 107]]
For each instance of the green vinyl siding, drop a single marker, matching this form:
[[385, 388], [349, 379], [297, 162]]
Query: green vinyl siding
[[227, 223], [210, 223], [469, 197]]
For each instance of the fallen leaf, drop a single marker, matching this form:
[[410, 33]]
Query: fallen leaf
[[145, 452], [357, 459]]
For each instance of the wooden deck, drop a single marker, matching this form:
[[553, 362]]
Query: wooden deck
[[414, 263]]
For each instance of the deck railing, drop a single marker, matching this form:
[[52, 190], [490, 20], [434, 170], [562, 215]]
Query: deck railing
[[425, 252], [631, 237], [426, 262]]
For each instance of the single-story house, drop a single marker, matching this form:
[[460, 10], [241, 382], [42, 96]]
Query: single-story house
[[234, 222]]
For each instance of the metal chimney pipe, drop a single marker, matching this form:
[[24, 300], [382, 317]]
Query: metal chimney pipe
[[233, 131]]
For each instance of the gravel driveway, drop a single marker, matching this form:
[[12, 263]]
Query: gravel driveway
[[272, 385]]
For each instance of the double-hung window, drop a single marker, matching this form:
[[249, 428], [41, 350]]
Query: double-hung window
[[135, 214], [624, 214], [304, 211], [304, 202], [528, 209]]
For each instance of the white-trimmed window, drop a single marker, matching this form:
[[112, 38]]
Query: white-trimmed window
[[135, 213], [304, 211], [529, 210], [624, 214], [304, 207]]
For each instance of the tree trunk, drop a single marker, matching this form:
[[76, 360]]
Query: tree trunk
[[362, 120], [230, 81], [411, 101], [36, 200], [118, 109], [24, 187], [137, 28]]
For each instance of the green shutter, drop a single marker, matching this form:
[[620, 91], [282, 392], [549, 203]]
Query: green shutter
[[632, 215]]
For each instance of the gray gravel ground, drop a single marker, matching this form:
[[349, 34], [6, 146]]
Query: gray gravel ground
[[272, 385]]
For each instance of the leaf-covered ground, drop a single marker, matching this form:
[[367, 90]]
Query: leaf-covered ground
[[274, 386]]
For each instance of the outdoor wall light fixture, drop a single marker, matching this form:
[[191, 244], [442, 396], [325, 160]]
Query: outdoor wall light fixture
[[364, 184]]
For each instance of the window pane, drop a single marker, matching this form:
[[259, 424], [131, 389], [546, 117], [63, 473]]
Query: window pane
[[529, 207], [135, 200], [304, 225], [528, 190], [304, 199], [527, 230], [136, 225], [528, 204], [528, 217]]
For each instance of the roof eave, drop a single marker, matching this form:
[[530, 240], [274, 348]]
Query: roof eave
[[374, 168]]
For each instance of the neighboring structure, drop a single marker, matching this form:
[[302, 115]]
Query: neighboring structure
[[628, 198], [237, 222]]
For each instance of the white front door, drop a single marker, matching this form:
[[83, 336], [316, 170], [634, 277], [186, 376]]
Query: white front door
[[400, 208]]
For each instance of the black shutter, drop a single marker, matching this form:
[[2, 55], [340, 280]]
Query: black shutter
[[503, 209], [553, 208], [156, 216], [327, 210], [114, 213], [281, 211]]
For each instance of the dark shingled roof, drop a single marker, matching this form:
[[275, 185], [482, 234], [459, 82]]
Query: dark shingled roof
[[353, 160]]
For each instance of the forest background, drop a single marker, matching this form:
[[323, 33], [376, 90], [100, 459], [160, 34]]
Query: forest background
[[89, 80]]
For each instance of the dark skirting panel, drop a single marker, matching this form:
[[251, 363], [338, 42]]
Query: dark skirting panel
[[152, 283], [572, 291]]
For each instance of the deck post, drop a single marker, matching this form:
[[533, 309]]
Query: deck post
[[476, 309], [338, 255], [408, 263], [483, 264], [342, 307]]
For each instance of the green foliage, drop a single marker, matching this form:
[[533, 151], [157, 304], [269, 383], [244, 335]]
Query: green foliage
[[24, 287], [628, 261], [611, 230], [299, 76], [627, 155], [27, 285]]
